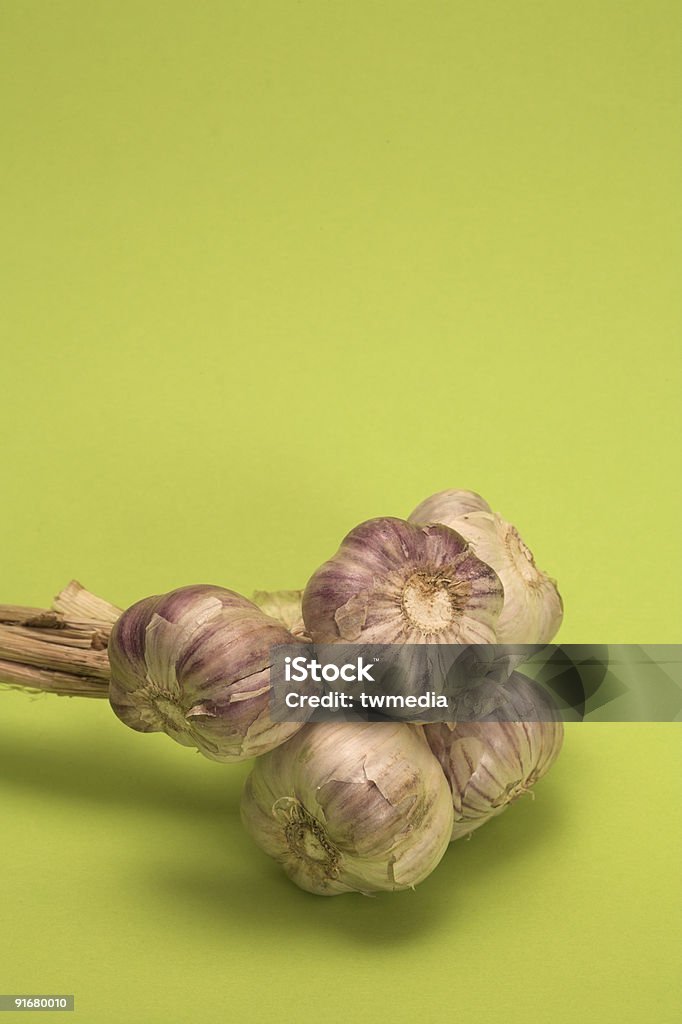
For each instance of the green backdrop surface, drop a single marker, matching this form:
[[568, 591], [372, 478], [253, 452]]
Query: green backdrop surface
[[271, 269]]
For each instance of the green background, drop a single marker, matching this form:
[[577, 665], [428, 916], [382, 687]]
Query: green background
[[272, 268]]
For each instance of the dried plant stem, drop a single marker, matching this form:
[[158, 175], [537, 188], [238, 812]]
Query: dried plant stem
[[62, 649]]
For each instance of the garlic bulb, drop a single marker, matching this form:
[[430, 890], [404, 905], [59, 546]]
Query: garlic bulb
[[393, 582], [195, 664], [285, 606], [489, 764], [351, 807], [533, 608], [445, 506]]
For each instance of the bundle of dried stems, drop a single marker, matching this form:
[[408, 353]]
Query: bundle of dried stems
[[62, 649]]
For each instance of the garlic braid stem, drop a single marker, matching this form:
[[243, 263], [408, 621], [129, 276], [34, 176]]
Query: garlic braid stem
[[60, 650]]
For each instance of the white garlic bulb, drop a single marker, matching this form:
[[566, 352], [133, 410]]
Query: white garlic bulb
[[195, 664], [533, 609], [351, 807], [394, 582], [445, 506], [490, 764]]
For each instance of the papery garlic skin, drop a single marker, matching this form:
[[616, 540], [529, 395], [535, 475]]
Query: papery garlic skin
[[348, 807], [285, 606], [446, 506], [394, 582], [490, 764], [533, 609], [195, 664]]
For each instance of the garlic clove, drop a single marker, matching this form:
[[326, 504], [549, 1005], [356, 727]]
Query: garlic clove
[[285, 606], [346, 809], [490, 764], [195, 664], [533, 609], [394, 582]]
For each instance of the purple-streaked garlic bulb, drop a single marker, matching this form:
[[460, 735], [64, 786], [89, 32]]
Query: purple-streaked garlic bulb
[[393, 582], [491, 763], [351, 807], [533, 608], [195, 664]]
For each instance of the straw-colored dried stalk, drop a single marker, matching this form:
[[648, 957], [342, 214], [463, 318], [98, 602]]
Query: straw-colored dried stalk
[[62, 649]]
